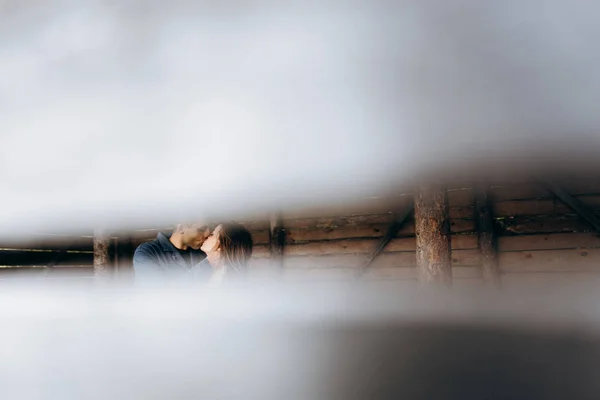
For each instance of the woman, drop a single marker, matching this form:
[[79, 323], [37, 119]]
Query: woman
[[228, 250]]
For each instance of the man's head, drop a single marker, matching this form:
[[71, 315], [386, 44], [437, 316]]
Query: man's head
[[190, 235]]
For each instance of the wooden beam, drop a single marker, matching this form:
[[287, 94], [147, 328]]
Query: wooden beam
[[102, 260], [576, 205], [390, 232], [487, 236], [432, 229], [276, 239]]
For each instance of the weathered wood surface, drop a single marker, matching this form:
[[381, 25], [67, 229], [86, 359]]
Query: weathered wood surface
[[388, 273], [399, 259], [363, 246], [553, 241], [578, 205], [525, 225], [487, 236], [48, 242], [41, 258], [391, 231], [432, 230], [550, 280], [569, 260], [45, 272], [368, 231]]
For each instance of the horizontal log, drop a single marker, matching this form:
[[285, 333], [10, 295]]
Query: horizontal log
[[260, 237], [519, 191], [400, 259], [344, 232], [334, 222], [412, 273], [56, 272], [360, 206], [387, 273], [460, 197], [366, 246], [261, 251], [550, 260], [525, 225], [48, 242], [465, 257], [553, 241], [462, 212], [368, 231], [19, 257], [533, 190], [538, 207], [550, 280]]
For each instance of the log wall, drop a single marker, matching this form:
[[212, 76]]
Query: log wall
[[539, 240]]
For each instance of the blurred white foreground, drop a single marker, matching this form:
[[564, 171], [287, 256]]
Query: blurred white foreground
[[326, 342], [143, 113]]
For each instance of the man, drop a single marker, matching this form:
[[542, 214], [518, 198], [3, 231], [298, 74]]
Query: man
[[172, 257]]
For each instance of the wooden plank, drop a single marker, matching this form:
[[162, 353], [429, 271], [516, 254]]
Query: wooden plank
[[339, 221], [460, 198], [465, 257], [464, 242], [258, 225], [512, 208], [533, 190], [344, 246], [462, 212], [20, 257], [261, 251], [43, 272], [391, 273], [260, 237], [344, 232], [578, 205], [538, 207], [550, 260], [295, 235], [384, 273], [526, 225], [400, 259], [432, 230], [519, 191], [553, 241], [352, 206], [363, 246], [462, 225], [532, 281], [47, 242]]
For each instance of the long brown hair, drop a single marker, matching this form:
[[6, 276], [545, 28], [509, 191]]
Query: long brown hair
[[235, 242]]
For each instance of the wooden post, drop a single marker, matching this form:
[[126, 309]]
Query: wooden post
[[276, 240], [432, 229], [487, 236], [102, 260]]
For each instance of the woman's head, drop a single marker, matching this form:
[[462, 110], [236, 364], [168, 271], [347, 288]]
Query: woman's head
[[230, 244]]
